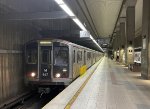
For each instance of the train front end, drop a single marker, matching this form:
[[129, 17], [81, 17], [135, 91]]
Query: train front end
[[47, 63]]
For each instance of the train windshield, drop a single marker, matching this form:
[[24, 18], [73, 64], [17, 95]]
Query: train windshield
[[31, 54], [61, 56]]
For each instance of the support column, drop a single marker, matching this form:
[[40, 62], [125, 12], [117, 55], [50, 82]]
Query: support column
[[122, 44], [130, 34], [118, 43], [145, 62], [115, 48]]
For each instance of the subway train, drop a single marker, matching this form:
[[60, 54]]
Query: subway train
[[55, 62]]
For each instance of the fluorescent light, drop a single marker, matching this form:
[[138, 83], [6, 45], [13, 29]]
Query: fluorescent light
[[62, 4], [104, 44], [91, 37], [67, 10], [96, 42], [59, 2], [45, 42], [138, 48], [77, 21]]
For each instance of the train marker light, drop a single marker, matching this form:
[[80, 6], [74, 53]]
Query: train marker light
[[64, 70]]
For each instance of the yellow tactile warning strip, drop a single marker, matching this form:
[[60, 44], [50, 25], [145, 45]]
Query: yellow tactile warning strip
[[68, 106], [83, 69]]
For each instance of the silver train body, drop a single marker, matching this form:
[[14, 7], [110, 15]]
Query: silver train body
[[56, 62]]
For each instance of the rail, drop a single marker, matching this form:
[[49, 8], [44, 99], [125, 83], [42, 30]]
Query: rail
[[13, 101]]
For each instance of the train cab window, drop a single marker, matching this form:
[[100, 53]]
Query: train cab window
[[31, 53], [61, 56], [31, 56], [74, 58], [46, 56]]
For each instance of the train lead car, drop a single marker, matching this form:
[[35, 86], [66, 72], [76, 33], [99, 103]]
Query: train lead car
[[55, 62]]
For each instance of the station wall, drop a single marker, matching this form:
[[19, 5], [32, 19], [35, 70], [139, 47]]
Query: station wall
[[13, 35]]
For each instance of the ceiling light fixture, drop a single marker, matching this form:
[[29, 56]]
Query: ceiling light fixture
[[96, 43], [59, 2], [63, 5]]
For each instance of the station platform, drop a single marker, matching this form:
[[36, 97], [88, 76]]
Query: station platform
[[106, 85]]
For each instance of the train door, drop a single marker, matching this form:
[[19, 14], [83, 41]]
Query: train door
[[45, 62], [93, 57], [84, 57], [74, 63], [88, 59]]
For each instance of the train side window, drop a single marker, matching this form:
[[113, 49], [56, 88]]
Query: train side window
[[88, 55], [32, 56], [74, 56], [79, 56], [84, 57]]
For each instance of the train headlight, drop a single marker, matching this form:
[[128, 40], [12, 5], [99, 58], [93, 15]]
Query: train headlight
[[33, 74], [64, 70], [57, 75]]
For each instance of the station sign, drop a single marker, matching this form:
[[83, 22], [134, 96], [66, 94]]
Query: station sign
[[137, 57], [84, 34]]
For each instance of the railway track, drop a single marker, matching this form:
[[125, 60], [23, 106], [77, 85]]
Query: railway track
[[16, 100], [30, 100]]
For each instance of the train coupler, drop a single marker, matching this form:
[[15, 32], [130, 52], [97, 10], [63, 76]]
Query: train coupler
[[42, 91]]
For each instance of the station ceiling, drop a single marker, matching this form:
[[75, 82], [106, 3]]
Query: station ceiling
[[99, 17]]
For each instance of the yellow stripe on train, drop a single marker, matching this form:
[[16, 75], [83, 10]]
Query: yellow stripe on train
[[83, 69]]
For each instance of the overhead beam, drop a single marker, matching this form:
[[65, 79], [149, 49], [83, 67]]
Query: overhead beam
[[130, 3], [90, 25], [123, 2], [60, 32], [119, 14], [35, 16], [85, 39]]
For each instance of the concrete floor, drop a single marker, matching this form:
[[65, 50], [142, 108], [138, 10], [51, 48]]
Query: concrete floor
[[114, 87]]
